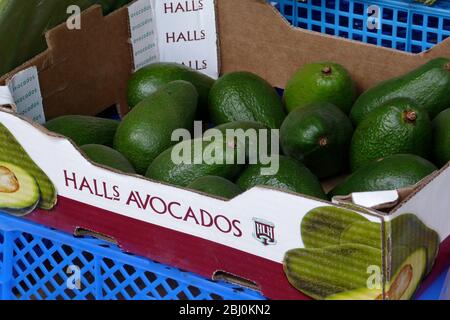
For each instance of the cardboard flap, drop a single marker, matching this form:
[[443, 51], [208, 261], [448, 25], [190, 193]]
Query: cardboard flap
[[100, 46], [271, 47]]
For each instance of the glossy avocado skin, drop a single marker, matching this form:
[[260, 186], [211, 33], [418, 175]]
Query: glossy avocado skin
[[202, 161], [427, 85], [292, 176], [108, 157], [391, 173], [84, 130], [216, 186], [149, 79], [318, 83], [243, 96], [399, 126], [146, 131], [319, 135], [441, 136]]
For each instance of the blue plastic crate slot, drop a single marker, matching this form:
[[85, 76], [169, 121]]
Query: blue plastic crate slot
[[400, 24], [35, 262]]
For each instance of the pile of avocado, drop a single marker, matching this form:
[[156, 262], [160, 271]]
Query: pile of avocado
[[390, 137], [345, 256]]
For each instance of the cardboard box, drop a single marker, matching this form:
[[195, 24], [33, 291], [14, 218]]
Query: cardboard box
[[245, 239]]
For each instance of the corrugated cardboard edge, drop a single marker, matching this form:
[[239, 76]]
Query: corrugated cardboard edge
[[254, 37], [85, 71]]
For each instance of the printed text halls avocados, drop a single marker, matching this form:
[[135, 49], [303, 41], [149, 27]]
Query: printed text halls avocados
[[186, 7], [153, 204]]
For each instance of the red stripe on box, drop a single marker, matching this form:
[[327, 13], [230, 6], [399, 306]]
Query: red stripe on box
[[185, 251], [170, 247]]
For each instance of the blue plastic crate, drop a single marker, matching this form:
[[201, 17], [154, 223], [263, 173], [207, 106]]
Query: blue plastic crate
[[34, 263], [400, 24]]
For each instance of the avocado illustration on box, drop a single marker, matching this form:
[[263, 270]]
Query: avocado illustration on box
[[343, 257], [23, 185]]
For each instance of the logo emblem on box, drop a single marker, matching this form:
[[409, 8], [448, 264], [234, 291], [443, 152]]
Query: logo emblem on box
[[264, 231]]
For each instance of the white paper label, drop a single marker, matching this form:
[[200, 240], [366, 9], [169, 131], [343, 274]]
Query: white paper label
[[6, 97], [183, 31], [143, 33], [26, 93]]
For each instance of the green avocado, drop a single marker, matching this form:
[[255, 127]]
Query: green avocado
[[243, 96], [319, 135], [390, 173], [291, 176], [323, 226], [399, 126], [189, 160], [151, 78], [427, 85], [441, 138], [84, 130], [13, 153], [108, 157], [19, 192], [322, 82], [147, 130], [216, 186], [257, 137], [320, 273]]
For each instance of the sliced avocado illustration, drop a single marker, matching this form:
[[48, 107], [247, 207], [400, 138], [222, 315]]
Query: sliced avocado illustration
[[19, 192], [407, 276], [323, 226], [358, 294], [13, 153], [363, 232], [324, 272], [404, 284], [406, 233]]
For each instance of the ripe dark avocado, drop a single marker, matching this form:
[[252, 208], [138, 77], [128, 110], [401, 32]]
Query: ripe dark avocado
[[243, 96], [292, 176], [216, 186], [108, 157], [441, 136], [319, 135], [390, 173], [19, 192], [189, 160], [149, 79], [427, 85], [399, 126], [320, 82], [85, 129], [146, 131]]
